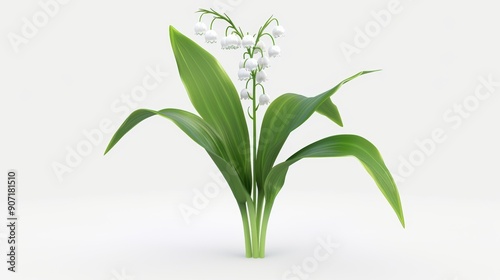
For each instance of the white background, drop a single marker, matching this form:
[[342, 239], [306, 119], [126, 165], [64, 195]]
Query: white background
[[117, 217]]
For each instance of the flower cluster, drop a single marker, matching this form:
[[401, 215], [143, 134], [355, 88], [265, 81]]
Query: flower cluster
[[256, 56]]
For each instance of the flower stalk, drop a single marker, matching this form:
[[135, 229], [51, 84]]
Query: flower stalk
[[256, 214]]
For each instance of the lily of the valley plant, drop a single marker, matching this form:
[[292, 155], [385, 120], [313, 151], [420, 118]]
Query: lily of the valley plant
[[248, 161]]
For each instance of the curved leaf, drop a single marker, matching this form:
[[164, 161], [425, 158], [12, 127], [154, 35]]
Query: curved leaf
[[331, 111], [192, 125], [340, 146], [198, 130], [287, 113], [215, 98]]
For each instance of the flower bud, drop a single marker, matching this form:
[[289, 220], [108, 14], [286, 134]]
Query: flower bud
[[223, 43], [264, 100], [261, 77], [233, 42], [244, 94], [248, 41], [243, 74], [264, 62], [211, 36], [242, 63], [200, 28], [278, 31], [274, 51], [261, 46], [251, 64]]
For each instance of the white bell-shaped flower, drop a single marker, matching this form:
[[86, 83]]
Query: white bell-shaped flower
[[243, 74], [223, 43], [264, 62], [261, 46], [278, 31], [251, 64], [244, 94], [242, 63], [248, 41], [261, 76], [264, 100], [211, 36], [274, 51], [233, 42], [200, 28]]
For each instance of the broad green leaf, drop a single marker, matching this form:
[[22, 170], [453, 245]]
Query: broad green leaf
[[331, 111], [198, 130], [341, 146], [216, 99], [233, 180], [284, 115], [192, 125]]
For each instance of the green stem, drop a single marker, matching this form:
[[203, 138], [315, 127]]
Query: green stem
[[254, 143], [260, 206], [272, 38], [224, 17], [246, 230], [263, 232], [255, 230], [258, 196]]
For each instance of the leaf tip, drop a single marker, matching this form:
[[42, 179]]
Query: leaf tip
[[340, 123], [108, 148], [172, 32], [402, 220]]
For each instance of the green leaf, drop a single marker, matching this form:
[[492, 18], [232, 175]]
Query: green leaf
[[198, 130], [216, 99], [340, 146], [331, 111], [284, 115], [192, 125]]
